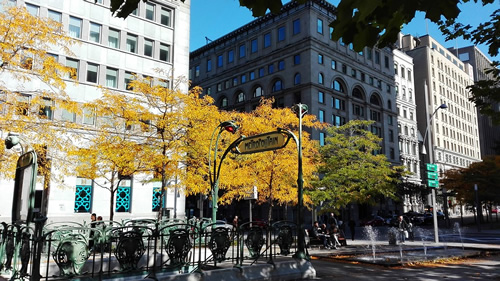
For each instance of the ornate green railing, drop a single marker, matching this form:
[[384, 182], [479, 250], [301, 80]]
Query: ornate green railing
[[138, 247]]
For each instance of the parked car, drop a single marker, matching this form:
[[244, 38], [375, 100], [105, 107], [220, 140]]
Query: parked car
[[374, 221], [495, 210]]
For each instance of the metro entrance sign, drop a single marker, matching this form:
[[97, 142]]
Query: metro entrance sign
[[262, 142]]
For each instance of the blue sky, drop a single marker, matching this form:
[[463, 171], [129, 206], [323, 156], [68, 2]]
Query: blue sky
[[215, 18]]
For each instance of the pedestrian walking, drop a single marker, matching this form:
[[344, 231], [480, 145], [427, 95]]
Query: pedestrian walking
[[403, 229], [352, 228]]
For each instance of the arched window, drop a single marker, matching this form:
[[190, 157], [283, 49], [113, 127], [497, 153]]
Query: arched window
[[337, 86], [223, 102], [375, 100], [258, 92], [357, 93], [320, 78], [277, 86], [240, 97], [296, 79]]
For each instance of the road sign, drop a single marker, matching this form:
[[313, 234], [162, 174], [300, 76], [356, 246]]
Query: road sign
[[432, 175], [262, 142], [431, 167], [433, 183]]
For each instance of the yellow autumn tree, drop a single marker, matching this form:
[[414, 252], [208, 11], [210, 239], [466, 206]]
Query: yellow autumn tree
[[274, 173], [32, 82], [163, 127]]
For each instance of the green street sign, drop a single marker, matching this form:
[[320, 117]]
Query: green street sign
[[432, 175], [431, 167], [433, 183]]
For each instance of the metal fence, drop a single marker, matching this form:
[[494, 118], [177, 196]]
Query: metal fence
[[142, 246]]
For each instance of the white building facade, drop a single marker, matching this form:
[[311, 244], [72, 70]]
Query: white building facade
[[407, 125], [110, 51], [441, 78]]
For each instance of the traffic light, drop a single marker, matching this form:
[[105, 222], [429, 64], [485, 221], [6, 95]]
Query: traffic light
[[230, 126], [432, 175]]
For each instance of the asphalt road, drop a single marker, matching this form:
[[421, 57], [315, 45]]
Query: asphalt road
[[484, 268]]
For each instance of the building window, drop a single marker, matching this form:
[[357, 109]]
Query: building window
[[334, 65], [111, 78], [261, 72], [197, 71], [321, 138], [270, 69], [320, 26], [165, 52], [296, 79], [375, 115], [409, 75], [258, 92], [277, 86], [254, 46], [338, 104], [230, 56], [127, 80], [156, 198], [55, 16], [75, 27], [321, 116], [386, 61], [377, 57], [73, 65], [242, 51], [320, 78], [114, 38], [165, 16], [92, 71], [320, 58], [296, 59], [124, 197], [240, 97], [209, 65], [88, 116], [391, 135], [252, 75], [32, 9], [353, 72], [148, 47], [220, 61], [83, 195], [95, 32], [337, 86], [150, 11], [296, 26], [45, 109], [281, 65], [131, 43], [243, 79], [321, 97], [267, 40], [281, 34], [223, 102], [395, 69], [344, 68], [392, 154], [358, 110]]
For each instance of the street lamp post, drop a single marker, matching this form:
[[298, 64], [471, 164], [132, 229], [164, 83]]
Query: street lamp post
[[301, 110], [431, 161], [231, 127]]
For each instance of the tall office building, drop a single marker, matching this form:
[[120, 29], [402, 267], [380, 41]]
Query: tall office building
[[489, 133], [441, 78], [108, 52], [292, 58], [407, 125]]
